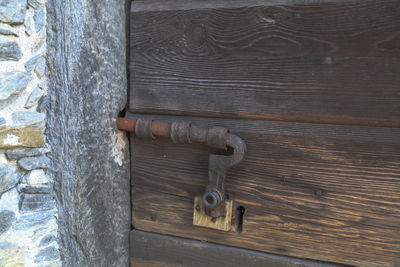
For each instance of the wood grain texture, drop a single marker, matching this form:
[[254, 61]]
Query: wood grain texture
[[333, 62], [148, 249], [168, 5], [323, 192]]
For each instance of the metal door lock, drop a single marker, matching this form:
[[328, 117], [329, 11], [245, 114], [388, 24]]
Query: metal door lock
[[212, 209]]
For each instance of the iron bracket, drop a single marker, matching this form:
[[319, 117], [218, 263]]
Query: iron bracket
[[214, 198]]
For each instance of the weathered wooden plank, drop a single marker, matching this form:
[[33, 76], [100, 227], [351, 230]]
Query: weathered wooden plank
[[331, 62], [148, 249], [168, 5], [323, 192], [270, 232]]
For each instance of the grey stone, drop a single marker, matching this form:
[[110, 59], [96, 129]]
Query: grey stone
[[12, 83], [28, 221], [50, 264], [6, 219], [34, 98], [96, 75], [39, 18], [38, 232], [9, 177], [12, 11], [34, 189], [8, 32], [10, 51], [38, 44], [28, 25], [47, 254], [7, 245], [2, 121], [32, 163], [30, 152], [36, 177], [31, 63], [35, 202], [47, 239], [42, 104], [40, 67], [27, 118], [42, 85], [35, 3]]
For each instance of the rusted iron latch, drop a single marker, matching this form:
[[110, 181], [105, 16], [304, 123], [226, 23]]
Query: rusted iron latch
[[213, 201]]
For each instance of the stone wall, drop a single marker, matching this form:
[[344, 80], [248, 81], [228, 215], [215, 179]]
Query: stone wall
[[28, 213]]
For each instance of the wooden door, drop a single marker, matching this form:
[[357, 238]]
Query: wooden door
[[312, 87]]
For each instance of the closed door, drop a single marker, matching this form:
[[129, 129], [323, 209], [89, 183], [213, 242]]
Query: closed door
[[312, 88]]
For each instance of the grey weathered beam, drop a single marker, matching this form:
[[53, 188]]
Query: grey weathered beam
[[86, 58]]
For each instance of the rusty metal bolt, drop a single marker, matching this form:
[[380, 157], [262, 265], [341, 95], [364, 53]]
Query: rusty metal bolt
[[212, 198], [143, 128], [216, 137], [180, 132]]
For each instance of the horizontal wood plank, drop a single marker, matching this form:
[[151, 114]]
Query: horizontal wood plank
[[323, 192], [148, 249], [326, 61], [168, 5]]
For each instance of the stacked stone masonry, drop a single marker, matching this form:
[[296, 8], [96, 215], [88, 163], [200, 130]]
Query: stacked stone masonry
[[28, 214]]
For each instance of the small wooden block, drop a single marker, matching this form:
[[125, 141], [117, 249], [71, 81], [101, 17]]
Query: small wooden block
[[200, 218]]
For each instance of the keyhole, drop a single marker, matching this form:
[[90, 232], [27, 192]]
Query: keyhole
[[240, 210]]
